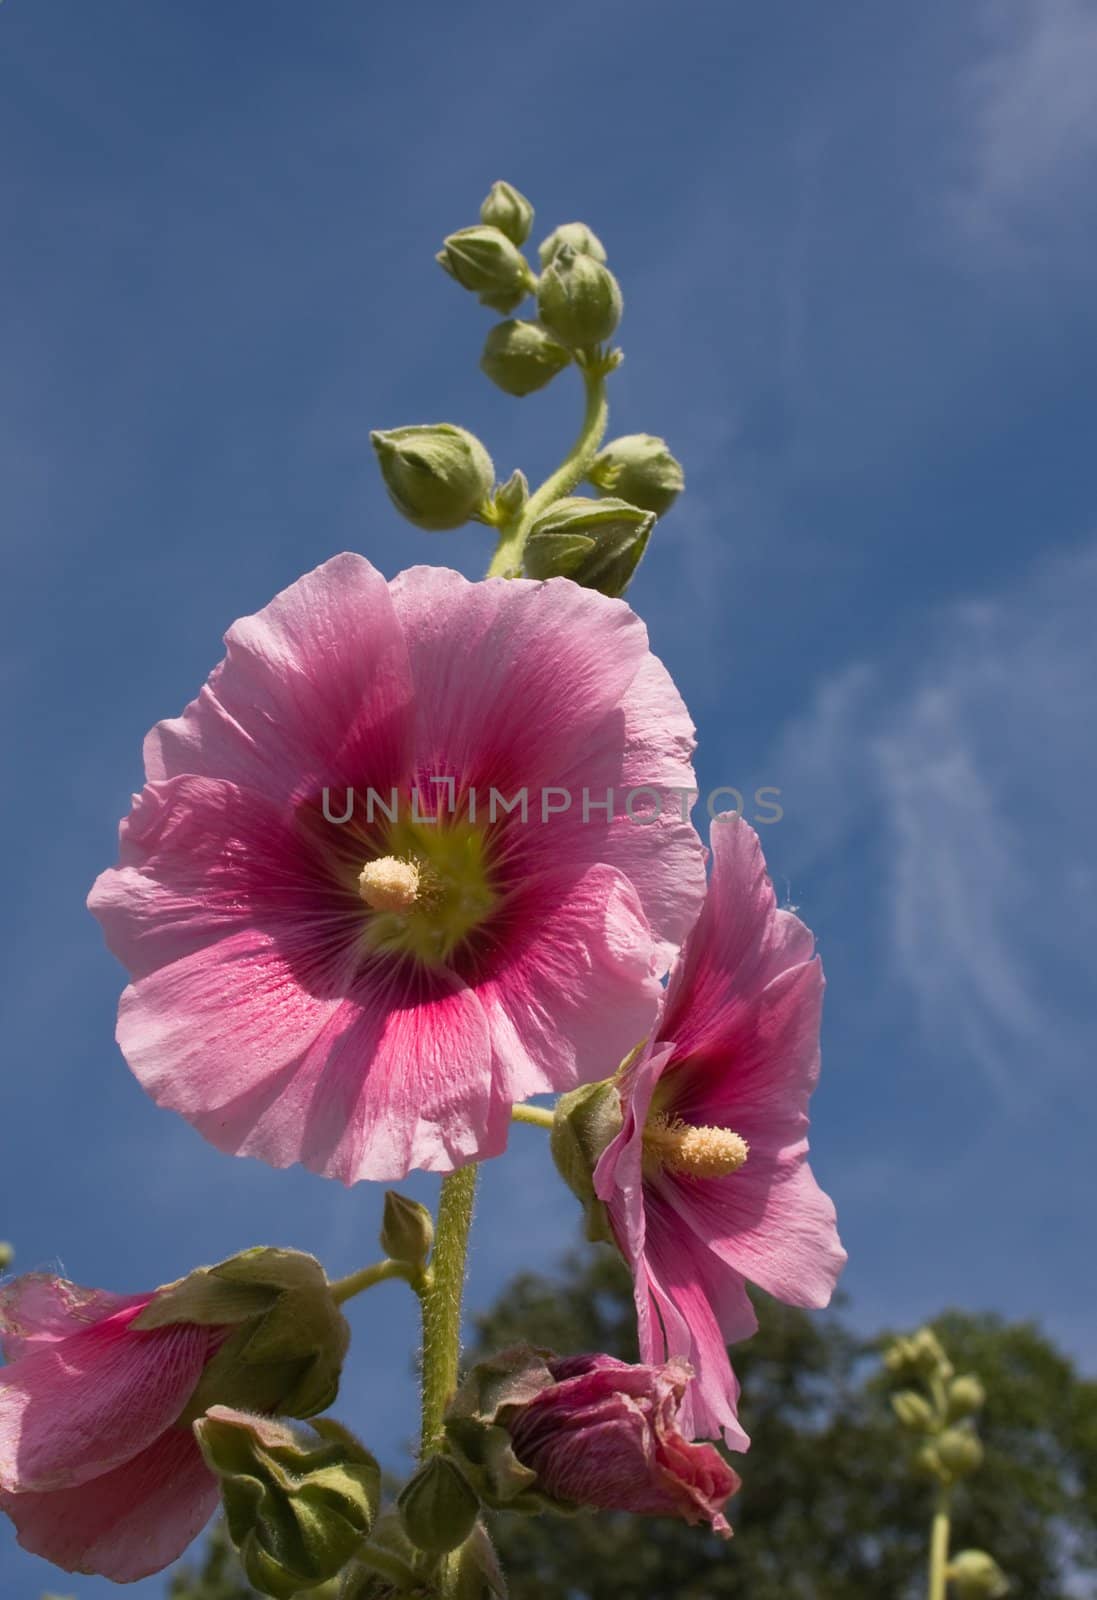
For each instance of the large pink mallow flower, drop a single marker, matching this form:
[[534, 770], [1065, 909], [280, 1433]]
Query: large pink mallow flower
[[371, 995], [95, 1473], [606, 1435], [707, 1184]]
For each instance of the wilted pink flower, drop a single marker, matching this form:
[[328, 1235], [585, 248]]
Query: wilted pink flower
[[707, 1184], [94, 1472], [372, 997], [606, 1435]]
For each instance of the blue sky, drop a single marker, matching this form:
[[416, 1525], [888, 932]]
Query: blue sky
[[856, 243]]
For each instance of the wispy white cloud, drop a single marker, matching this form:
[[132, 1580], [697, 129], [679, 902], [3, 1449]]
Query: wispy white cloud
[[1031, 117], [965, 766]]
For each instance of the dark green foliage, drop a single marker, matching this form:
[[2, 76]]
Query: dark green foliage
[[829, 1509]]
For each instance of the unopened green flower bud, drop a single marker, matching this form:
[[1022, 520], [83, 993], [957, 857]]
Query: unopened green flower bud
[[438, 1506], [585, 1121], [509, 211], [521, 357], [579, 300], [966, 1396], [976, 1576], [921, 1354], [960, 1452], [639, 468], [285, 1353], [898, 1357], [928, 1354], [928, 1461], [913, 1410], [577, 236], [510, 497], [299, 1499], [595, 543], [407, 1230], [438, 476], [7, 1255], [485, 261], [387, 1566]]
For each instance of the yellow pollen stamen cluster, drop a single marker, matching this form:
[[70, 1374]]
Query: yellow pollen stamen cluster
[[390, 884], [694, 1152]]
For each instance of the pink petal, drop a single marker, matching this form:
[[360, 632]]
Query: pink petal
[[202, 859], [740, 944], [314, 690], [399, 1079], [129, 1523], [647, 746], [222, 1028], [512, 677], [39, 1308], [574, 989], [620, 1166], [394, 1073], [74, 1409], [759, 1072], [771, 1223], [701, 1306]]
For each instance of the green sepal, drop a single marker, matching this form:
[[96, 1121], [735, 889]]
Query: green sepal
[[476, 1431], [286, 1353], [596, 543], [299, 1498], [586, 1120]]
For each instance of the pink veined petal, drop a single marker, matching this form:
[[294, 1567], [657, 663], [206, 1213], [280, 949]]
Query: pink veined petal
[[364, 1083], [639, 758], [701, 1307], [127, 1524], [573, 990], [40, 1308], [770, 1223], [202, 859], [314, 690], [757, 1077], [400, 1078], [620, 1166], [740, 943], [511, 676], [72, 1410], [223, 1027]]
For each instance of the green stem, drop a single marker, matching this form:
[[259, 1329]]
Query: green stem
[[540, 1116], [344, 1289], [507, 560], [441, 1301], [938, 1547]]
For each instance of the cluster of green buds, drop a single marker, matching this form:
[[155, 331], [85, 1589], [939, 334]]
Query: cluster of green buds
[[302, 1498], [439, 476], [937, 1408]]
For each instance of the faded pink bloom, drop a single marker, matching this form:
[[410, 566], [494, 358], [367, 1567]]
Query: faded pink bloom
[[606, 1435], [373, 997], [707, 1184], [95, 1473]]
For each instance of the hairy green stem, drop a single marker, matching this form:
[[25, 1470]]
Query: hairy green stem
[[441, 1301], [507, 560], [938, 1547], [540, 1116], [344, 1289]]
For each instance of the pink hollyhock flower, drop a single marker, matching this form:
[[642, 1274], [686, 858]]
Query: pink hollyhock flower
[[99, 1468], [370, 997], [94, 1472], [606, 1434], [707, 1184]]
